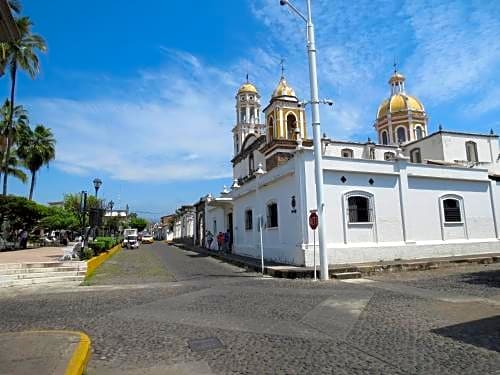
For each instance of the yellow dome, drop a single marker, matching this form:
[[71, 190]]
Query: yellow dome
[[399, 102], [247, 87], [283, 90]]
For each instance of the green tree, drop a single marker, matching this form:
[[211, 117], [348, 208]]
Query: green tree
[[11, 127], [14, 170], [72, 203], [139, 223], [19, 212], [19, 54], [15, 6], [36, 148], [59, 218]]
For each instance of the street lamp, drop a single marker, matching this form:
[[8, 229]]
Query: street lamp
[[313, 82], [258, 174], [111, 204], [97, 185]]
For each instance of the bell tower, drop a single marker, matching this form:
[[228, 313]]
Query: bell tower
[[285, 125], [247, 115]]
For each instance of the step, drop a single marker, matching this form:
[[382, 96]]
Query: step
[[39, 275], [346, 275], [48, 280], [47, 270], [5, 266]]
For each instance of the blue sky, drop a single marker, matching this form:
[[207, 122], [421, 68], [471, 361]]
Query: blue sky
[[141, 93]]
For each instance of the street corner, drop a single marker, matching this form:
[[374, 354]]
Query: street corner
[[44, 352]]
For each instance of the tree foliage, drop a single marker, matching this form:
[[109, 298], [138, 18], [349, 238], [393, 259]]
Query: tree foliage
[[19, 212], [59, 218], [72, 203], [138, 223]]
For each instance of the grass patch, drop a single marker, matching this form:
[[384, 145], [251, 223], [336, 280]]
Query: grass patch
[[130, 267]]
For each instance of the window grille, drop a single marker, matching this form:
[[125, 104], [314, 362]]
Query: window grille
[[248, 220], [415, 156], [272, 215], [471, 148], [360, 210], [451, 208]]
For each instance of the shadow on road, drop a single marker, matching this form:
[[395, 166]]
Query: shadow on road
[[487, 278], [482, 333]]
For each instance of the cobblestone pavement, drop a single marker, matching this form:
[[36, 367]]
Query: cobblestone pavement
[[392, 324]]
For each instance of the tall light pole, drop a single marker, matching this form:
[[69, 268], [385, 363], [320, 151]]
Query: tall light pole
[[313, 82], [258, 174], [97, 185]]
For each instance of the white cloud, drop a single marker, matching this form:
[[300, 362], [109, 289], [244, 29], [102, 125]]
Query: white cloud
[[178, 130]]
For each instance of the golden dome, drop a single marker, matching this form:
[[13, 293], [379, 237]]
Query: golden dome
[[399, 102], [247, 87], [283, 90]]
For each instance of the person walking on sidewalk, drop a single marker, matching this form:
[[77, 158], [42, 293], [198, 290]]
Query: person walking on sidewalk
[[210, 239], [227, 238], [220, 241]]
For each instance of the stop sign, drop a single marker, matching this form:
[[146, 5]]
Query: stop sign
[[313, 220]]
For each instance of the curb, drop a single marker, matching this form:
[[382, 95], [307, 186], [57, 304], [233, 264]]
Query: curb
[[292, 272], [80, 356], [94, 262]]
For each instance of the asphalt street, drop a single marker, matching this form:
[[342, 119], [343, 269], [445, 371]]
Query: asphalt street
[[202, 316]]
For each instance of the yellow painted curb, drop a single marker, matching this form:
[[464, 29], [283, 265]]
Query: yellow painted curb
[[80, 356], [96, 261]]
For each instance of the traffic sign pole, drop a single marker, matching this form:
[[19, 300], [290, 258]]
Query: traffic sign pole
[[314, 251], [313, 223]]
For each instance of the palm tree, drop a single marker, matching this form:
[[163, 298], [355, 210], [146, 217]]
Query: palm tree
[[20, 54], [9, 134], [14, 170], [15, 6], [36, 148]]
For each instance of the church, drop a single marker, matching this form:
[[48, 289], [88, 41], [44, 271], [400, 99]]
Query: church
[[406, 194]]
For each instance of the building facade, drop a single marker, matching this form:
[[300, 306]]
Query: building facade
[[412, 194]]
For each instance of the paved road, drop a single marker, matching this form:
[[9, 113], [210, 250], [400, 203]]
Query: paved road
[[439, 322]]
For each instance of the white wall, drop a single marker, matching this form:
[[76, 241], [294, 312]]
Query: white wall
[[282, 243]]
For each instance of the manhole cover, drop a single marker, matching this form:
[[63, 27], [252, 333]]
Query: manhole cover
[[210, 343]]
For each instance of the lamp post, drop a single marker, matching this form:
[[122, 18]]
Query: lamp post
[[97, 185], [313, 81], [258, 173]]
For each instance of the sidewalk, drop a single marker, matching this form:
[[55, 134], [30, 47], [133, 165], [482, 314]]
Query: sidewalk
[[346, 270], [44, 352], [38, 255]]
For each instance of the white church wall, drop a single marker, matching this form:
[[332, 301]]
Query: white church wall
[[431, 148], [283, 242], [454, 147]]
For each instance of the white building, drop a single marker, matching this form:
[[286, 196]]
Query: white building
[[411, 195]]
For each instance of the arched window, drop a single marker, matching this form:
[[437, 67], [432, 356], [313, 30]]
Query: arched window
[[243, 116], [270, 129], [291, 124], [248, 219], [471, 148], [272, 215], [419, 133], [347, 153], [251, 164], [359, 209], [415, 156], [452, 212], [389, 155], [385, 139], [401, 134]]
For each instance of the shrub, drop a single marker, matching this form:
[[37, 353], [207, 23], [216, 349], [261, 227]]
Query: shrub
[[86, 253]]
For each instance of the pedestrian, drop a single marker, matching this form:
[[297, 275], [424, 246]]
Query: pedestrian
[[227, 238], [220, 240], [210, 239], [24, 239]]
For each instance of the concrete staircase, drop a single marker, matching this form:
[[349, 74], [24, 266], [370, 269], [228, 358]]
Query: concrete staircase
[[25, 274]]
